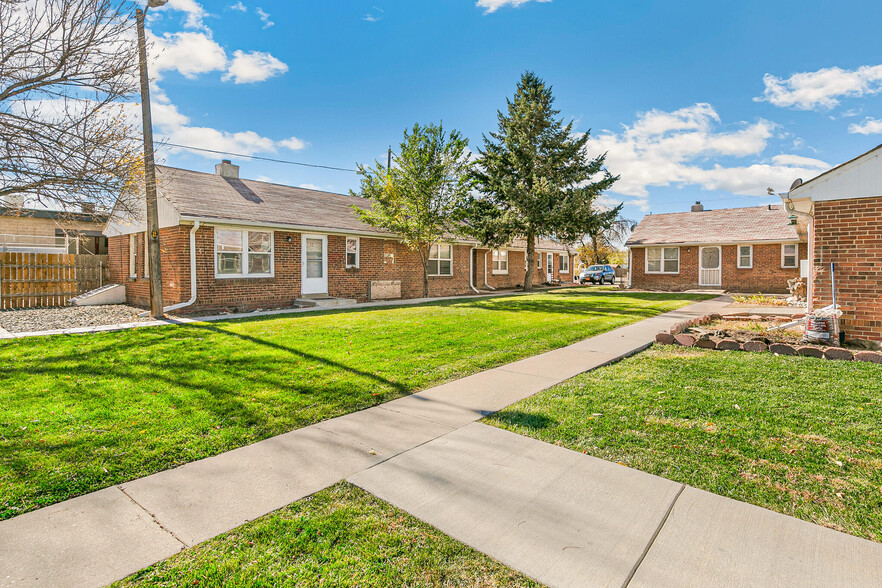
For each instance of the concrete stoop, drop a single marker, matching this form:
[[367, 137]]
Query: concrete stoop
[[109, 294], [311, 301]]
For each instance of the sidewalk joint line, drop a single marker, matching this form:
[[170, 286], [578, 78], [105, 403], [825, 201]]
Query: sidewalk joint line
[[153, 516], [653, 538]]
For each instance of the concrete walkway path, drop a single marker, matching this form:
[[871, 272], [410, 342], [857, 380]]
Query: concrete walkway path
[[608, 514]]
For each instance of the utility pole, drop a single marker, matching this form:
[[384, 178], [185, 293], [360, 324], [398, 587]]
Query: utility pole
[[389, 159], [153, 260]]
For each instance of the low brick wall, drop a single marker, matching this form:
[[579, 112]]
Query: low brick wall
[[678, 335]]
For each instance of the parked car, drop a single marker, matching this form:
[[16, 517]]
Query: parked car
[[598, 274]]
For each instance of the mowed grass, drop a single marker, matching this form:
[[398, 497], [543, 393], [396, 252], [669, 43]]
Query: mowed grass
[[797, 435], [83, 412], [341, 536]]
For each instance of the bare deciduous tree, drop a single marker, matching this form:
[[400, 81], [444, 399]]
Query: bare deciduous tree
[[66, 67]]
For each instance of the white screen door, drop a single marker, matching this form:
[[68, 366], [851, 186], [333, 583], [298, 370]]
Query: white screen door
[[315, 264], [549, 266], [710, 272]]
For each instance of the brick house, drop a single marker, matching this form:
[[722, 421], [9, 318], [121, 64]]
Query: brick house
[[262, 245], [31, 230], [843, 207], [735, 249]]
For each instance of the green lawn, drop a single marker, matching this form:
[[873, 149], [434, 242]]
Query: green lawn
[[341, 536], [83, 412], [798, 435]]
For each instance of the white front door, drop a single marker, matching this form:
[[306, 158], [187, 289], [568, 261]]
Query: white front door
[[549, 266], [710, 263], [315, 264]]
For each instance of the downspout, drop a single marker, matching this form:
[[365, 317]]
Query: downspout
[[486, 285], [192, 272], [810, 280], [630, 266], [472, 270]]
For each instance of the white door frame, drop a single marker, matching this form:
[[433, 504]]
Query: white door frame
[[710, 276], [313, 285], [549, 267]]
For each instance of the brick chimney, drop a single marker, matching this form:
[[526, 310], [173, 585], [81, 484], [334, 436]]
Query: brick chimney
[[226, 169], [697, 207]]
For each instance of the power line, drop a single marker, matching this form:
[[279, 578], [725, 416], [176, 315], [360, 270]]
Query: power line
[[355, 171]]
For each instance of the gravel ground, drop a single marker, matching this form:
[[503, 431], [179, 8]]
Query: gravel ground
[[44, 319]]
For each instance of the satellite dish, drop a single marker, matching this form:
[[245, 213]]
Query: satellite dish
[[796, 183]]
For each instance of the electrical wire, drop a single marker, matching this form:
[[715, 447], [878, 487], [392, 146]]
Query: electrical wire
[[315, 165]]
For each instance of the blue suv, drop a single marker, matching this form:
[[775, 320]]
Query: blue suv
[[598, 274]]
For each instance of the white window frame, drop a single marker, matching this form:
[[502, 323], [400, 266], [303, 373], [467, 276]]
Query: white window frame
[[133, 255], [146, 256], [784, 255], [243, 232], [750, 264], [498, 262], [357, 252], [661, 269], [540, 259], [436, 250], [564, 264]]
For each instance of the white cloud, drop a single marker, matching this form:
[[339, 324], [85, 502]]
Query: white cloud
[[193, 12], [253, 67], [674, 148], [264, 17], [189, 53], [371, 17], [293, 143], [870, 126], [310, 186], [822, 88], [494, 5], [239, 6]]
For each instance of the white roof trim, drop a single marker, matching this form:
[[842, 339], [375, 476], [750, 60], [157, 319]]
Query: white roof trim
[[843, 182], [715, 243]]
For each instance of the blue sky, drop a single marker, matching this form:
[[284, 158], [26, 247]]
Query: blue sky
[[692, 100]]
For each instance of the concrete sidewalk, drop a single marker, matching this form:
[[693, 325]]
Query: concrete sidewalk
[[568, 519], [104, 536]]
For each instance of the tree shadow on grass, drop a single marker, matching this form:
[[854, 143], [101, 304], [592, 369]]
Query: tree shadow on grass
[[524, 419]]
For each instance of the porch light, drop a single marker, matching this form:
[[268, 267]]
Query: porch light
[[791, 220]]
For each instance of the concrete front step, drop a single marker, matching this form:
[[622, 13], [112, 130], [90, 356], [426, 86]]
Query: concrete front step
[[324, 301]]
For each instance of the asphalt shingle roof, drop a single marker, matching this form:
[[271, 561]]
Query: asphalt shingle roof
[[211, 196], [205, 195], [727, 225]]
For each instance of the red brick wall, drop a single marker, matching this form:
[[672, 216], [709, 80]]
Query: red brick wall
[[379, 259], [766, 275], [849, 234]]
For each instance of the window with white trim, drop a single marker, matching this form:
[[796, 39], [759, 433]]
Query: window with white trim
[[133, 255], [500, 261], [243, 253], [441, 259], [564, 264], [789, 255], [538, 260], [662, 260], [745, 256], [146, 257], [353, 246]]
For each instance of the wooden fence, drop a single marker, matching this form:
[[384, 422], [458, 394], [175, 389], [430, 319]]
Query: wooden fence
[[32, 280]]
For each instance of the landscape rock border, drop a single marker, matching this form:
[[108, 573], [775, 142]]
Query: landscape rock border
[[678, 336]]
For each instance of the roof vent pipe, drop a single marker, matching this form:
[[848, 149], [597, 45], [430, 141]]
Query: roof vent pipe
[[697, 207], [226, 169]]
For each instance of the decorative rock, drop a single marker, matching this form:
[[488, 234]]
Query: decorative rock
[[839, 353], [685, 340], [729, 345], [808, 351], [664, 339], [754, 346], [706, 344], [677, 329], [755, 317], [782, 349], [871, 356], [714, 316]]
